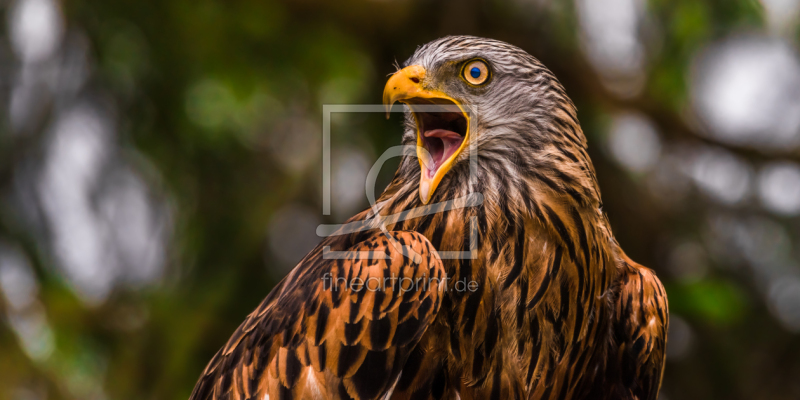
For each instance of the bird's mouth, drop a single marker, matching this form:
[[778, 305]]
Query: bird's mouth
[[440, 131], [442, 125]]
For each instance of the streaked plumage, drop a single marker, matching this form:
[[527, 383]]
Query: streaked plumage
[[559, 312]]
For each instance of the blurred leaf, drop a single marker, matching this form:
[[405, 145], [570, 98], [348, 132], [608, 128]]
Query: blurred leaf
[[715, 301]]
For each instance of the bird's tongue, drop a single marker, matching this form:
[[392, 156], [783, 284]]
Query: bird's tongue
[[441, 144]]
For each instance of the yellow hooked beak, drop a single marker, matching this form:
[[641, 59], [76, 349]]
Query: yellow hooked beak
[[442, 131]]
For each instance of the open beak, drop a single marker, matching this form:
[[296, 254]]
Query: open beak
[[442, 125]]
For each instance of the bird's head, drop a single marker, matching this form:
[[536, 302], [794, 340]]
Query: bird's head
[[469, 94]]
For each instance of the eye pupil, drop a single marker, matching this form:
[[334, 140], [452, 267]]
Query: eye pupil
[[475, 72]]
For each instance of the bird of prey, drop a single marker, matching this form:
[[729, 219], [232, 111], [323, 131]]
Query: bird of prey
[[518, 292]]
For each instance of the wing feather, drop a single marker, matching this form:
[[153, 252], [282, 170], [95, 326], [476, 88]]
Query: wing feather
[[333, 329], [642, 320]]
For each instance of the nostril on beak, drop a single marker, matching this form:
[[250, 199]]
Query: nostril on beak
[[415, 80]]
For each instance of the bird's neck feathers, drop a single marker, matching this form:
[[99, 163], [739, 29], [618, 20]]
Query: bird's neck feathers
[[531, 157], [544, 174]]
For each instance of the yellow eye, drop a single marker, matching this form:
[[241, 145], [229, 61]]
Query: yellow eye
[[476, 72]]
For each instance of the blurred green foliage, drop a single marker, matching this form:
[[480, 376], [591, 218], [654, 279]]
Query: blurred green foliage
[[200, 88]]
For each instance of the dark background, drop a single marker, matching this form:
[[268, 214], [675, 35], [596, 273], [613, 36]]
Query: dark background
[[160, 170]]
